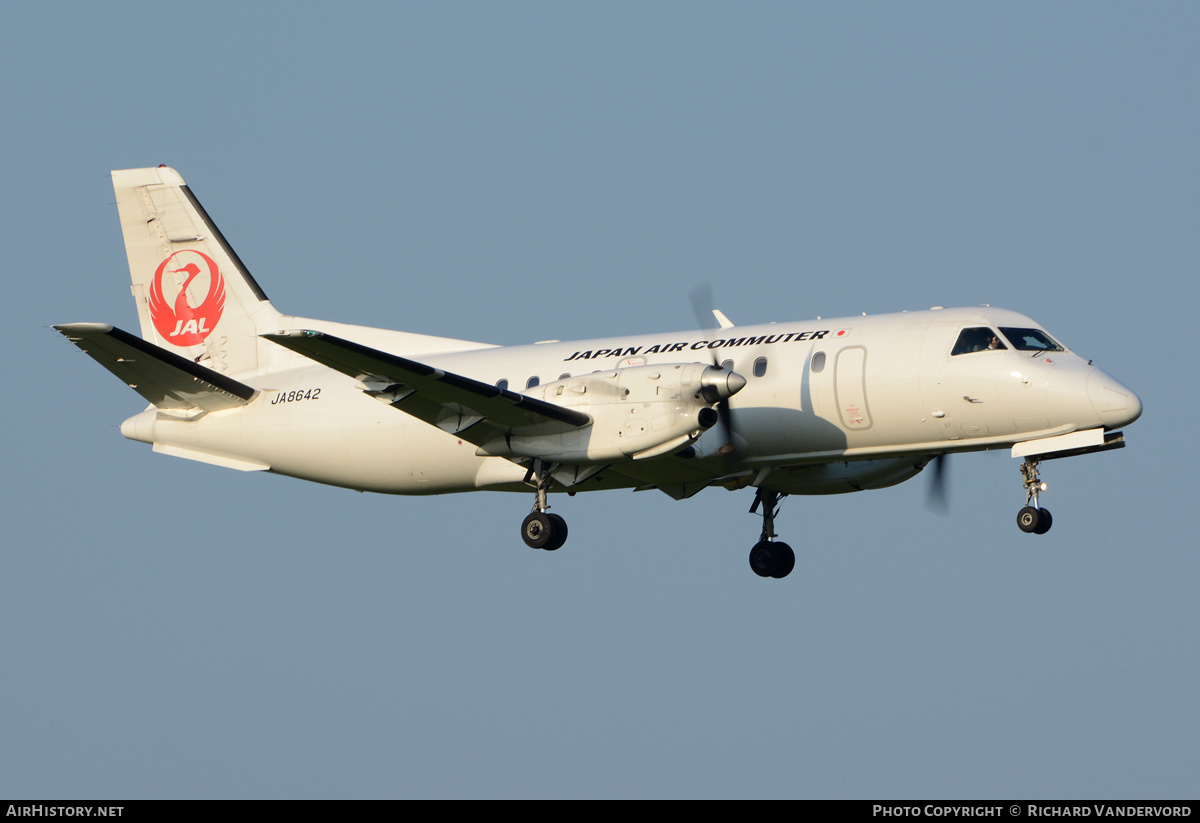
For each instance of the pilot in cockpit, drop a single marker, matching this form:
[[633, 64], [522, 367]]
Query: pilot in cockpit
[[977, 338]]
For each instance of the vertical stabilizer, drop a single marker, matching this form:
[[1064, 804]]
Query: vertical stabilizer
[[194, 296]]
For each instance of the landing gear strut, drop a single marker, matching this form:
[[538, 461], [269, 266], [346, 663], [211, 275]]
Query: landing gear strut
[[541, 530], [770, 558], [1033, 519]]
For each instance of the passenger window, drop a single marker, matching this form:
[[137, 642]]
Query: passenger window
[[979, 338], [818, 362], [502, 384], [533, 381], [727, 364], [760, 367], [564, 376]]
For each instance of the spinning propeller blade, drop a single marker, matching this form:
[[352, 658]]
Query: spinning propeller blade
[[701, 296], [937, 499]]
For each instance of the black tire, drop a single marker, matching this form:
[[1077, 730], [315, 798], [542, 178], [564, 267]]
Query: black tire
[[1044, 521], [783, 559], [762, 558], [537, 530], [1028, 519], [558, 533]]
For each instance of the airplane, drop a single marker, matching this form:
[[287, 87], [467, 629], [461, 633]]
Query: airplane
[[822, 406]]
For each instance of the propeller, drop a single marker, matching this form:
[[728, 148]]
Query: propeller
[[707, 317], [937, 498], [701, 296]]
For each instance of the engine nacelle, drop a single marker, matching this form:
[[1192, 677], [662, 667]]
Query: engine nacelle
[[851, 476], [637, 412]]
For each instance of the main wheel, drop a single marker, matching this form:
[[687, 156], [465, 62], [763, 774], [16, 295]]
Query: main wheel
[[537, 530], [1044, 521], [762, 558], [783, 559], [1028, 519], [558, 533]]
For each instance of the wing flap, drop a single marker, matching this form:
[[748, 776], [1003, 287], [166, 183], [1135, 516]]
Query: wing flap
[[449, 401], [162, 377]]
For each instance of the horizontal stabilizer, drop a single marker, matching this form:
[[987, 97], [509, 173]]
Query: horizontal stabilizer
[[444, 399], [162, 377]]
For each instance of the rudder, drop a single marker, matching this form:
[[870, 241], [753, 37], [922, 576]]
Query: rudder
[[194, 296]]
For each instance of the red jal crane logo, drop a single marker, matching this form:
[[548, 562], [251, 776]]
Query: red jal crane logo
[[184, 324]]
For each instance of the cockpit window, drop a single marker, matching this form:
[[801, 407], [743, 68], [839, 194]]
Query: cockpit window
[[980, 338], [1030, 339]]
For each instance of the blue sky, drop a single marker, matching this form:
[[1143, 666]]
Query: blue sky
[[516, 172]]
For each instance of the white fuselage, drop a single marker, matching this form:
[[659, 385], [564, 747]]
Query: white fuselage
[[828, 406]]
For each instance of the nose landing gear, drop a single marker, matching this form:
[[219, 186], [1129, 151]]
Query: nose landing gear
[[1033, 519], [769, 558]]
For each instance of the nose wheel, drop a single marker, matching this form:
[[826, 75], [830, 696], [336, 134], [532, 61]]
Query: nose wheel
[[540, 529], [770, 557], [1033, 519]]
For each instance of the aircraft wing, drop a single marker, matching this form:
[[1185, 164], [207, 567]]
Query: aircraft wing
[[449, 401], [162, 377]]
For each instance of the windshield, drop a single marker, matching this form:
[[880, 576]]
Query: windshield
[[978, 338], [1030, 339]]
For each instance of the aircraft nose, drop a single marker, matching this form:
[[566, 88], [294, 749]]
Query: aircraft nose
[[1116, 404]]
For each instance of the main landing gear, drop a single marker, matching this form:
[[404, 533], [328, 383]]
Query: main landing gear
[[770, 558], [542, 530], [1033, 519]]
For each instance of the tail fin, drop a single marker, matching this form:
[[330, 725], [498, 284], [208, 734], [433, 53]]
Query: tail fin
[[194, 296]]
